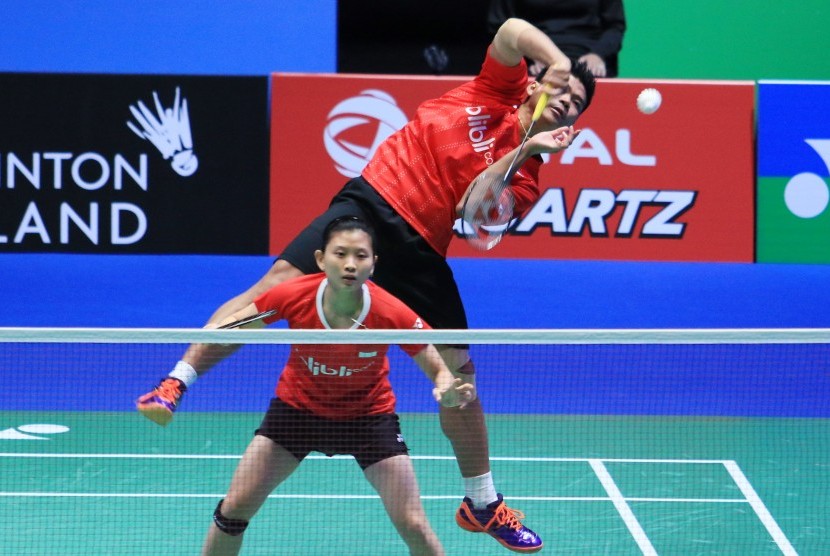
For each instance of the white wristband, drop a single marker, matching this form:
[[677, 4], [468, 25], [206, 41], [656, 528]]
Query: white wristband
[[184, 372]]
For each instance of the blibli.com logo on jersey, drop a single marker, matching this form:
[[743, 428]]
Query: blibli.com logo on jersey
[[321, 369], [357, 125], [478, 122]]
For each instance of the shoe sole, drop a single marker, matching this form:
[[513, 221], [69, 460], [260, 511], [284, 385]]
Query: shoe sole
[[472, 528], [156, 413]]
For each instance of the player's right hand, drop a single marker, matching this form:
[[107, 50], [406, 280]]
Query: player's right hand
[[557, 77]]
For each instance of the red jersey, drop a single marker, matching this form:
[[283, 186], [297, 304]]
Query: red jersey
[[423, 169], [331, 380]]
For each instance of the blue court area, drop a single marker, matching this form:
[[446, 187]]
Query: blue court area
[[744, 380], [182, 291]]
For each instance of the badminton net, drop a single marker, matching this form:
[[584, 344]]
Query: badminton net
[[610, 441]]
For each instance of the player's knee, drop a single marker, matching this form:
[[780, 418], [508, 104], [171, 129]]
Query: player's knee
[[466, 372], [229, 526], [466, 369], [454, 356]]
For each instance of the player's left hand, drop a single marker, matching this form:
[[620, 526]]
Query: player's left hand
[[553, 141], [459, 394]]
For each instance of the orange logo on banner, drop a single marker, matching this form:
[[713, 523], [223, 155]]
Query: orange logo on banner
[[676, 185]]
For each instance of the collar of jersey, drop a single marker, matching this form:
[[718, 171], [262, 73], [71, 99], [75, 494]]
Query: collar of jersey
[[358, 322]]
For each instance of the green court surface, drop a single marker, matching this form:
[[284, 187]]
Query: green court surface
[[113, 483]]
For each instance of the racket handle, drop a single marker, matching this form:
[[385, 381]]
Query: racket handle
[[540, 105]]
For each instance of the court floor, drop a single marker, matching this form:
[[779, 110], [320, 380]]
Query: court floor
[[113, 483]]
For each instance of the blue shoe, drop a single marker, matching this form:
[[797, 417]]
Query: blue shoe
[[501, 523]]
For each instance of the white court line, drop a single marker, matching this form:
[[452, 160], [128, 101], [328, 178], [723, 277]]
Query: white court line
[[615, 495], [354, 497], [623, 508], [419, 457], [760, 509], [124, 456]]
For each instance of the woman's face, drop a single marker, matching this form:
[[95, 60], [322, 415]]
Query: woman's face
[[348, 259]]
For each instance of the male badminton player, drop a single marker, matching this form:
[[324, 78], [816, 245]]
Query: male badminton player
[[411, 192]]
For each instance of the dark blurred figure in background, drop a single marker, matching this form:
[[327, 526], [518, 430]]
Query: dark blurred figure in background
[[437, 37], [589, 31]]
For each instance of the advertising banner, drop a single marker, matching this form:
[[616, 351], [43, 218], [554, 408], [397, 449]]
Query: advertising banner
[[324, 129], [793, 172], [133, 164], [674, 185]]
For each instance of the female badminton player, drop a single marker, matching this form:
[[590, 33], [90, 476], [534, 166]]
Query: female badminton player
[[336, 399]]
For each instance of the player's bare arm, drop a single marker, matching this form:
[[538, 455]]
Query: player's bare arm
[[249, 311], [517, 39], [449, 391], [204, 356]]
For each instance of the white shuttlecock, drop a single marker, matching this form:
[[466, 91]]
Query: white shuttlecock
[[649, 100]]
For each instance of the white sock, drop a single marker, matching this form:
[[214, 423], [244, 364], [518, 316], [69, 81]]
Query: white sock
[[480, 490], [184, 372]]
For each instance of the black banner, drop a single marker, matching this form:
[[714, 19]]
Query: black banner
[[133, 164]]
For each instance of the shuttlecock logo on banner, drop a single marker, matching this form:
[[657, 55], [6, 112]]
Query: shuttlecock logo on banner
[[371, 107], [168, 130]]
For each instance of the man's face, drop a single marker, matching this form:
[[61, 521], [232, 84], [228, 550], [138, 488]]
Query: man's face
[[564, 106]]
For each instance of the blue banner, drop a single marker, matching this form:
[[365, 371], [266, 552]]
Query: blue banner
[[793, 189]]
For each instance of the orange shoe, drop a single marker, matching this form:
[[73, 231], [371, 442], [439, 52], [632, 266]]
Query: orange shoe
[[160, 404], [501, 523]]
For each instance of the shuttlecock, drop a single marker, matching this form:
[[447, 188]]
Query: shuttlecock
[[648, 101]]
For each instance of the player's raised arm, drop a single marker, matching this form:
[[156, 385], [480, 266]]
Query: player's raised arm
[[517, 39], [449, 391]]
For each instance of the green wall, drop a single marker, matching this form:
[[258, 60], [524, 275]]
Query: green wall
[[727, 39]]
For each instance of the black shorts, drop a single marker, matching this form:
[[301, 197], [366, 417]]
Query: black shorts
[[408, 267], [369, 439]]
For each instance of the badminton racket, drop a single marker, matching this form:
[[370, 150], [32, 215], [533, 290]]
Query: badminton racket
[[249, 320], [487, 211]]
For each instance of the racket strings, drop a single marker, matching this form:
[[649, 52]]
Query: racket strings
[[488, 207], [487, 211]]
